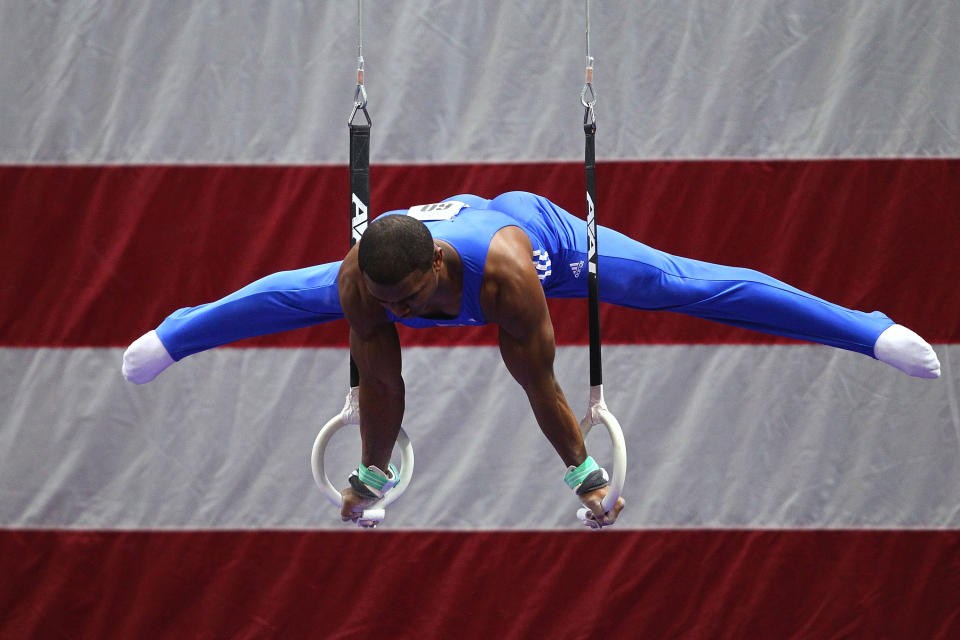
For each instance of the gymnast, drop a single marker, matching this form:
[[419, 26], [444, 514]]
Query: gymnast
[[472, 261]]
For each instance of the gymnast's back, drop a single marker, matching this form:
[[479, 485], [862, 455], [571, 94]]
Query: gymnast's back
[[549, 227]]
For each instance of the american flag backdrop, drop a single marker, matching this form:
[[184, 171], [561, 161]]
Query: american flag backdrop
[[157, 155]]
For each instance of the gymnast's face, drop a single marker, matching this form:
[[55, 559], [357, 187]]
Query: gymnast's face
[[411, 296]]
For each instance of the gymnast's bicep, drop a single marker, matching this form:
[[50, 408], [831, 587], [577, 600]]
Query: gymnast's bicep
[[374, 343], [526, 332]]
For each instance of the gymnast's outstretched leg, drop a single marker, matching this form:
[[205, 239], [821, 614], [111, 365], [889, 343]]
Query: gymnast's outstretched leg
[[279, 302], [635, 275]]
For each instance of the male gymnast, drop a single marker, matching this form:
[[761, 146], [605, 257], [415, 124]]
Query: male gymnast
[[472, 261]]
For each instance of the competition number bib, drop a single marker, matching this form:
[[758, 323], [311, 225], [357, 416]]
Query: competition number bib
[[436, 211]]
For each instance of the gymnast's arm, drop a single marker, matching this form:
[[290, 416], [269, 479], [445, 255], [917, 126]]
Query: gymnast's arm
[[375, 348], [514, 299]]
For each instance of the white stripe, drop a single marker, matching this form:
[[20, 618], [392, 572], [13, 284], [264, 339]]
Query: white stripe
[[93, 82], [718, 436]]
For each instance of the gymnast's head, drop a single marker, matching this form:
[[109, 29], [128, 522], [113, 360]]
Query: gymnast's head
[[393, 247], [399, 262]]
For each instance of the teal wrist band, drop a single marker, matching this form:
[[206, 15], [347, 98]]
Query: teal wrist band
[[375, 479], [575, 476]]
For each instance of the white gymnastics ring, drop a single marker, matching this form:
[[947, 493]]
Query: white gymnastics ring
[[350, 415], [599, 414]]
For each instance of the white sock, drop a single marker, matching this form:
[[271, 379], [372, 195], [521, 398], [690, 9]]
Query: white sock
[[902, 348], [145, 359]]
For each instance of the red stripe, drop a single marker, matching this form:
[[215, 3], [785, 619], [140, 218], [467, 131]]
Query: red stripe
[[97, 255], [616, 584]]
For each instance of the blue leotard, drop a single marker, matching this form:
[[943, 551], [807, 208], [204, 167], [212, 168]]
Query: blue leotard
[[631, 274]]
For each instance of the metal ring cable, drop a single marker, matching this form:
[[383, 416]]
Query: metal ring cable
[[589, 130], [588, 103], [597, 412], [359, 216], [360, 96], [359, 162]]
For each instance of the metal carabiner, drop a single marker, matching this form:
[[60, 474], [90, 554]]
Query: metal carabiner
[[359, 96], [589, 114], [353, 114], [359, 104]]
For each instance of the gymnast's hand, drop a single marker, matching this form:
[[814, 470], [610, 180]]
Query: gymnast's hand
[[596, 518], [353, 504]]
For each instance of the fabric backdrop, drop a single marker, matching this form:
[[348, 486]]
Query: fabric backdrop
[[156, 155]]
